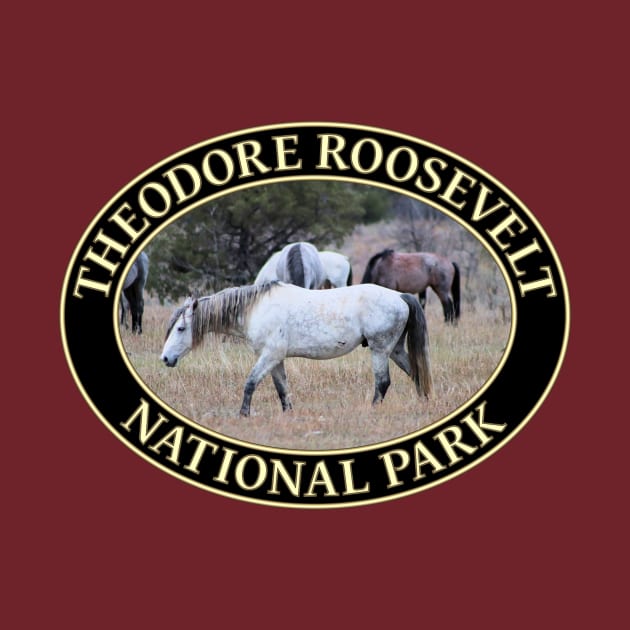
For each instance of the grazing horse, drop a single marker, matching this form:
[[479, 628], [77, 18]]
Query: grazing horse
[[337, 269], [413, 273], [132, 298], [297, 263], [267, 272], [281, 320]]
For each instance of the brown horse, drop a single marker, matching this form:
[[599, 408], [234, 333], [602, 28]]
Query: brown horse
[[413, 273]]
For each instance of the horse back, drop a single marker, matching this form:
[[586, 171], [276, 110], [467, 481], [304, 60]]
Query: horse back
[[324, 324], [403, 272], [300, 264], [414, 272], [337, 268]]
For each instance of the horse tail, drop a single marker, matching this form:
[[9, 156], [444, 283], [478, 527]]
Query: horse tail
[[418, 346], [368, 275], [295, 266], [455, 290]]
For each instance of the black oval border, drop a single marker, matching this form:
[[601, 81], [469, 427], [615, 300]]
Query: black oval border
[[538, 343]]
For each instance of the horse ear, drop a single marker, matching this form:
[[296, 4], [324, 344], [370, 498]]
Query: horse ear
[[194, 295]]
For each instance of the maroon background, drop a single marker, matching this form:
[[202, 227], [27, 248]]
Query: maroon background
[[94, 536]]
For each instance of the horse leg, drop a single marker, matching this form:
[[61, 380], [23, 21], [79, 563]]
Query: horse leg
[[400, 357], [140, 312], [132, 298], [279, 376], [449, 311], [422, 298], [137, 309], [380, 367], [124, 309], [262, 367], [448, 307]]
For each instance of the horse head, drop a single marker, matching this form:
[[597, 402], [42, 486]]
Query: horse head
[[179, 333]]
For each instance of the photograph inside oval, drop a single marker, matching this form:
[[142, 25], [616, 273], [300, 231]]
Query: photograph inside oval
[[315, 315]]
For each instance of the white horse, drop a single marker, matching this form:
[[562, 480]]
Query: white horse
[[280, 320], [337, 269], [299, 264], [267, 272]]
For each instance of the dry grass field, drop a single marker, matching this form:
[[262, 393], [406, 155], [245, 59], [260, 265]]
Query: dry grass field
[[331, 399]]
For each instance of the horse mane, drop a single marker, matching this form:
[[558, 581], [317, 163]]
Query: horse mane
[[367, 276], [224, 311]]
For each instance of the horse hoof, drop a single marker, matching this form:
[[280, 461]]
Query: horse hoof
[[243, 413]]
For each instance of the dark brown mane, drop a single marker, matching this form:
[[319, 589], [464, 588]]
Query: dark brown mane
[[368, 276]]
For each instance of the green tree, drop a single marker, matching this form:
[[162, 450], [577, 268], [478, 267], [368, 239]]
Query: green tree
[[225, 241]]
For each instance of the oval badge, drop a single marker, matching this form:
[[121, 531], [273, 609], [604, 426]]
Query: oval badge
[[369, 315]]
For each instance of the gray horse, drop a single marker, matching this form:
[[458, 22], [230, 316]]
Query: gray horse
[[299, 264], [132, 298]]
